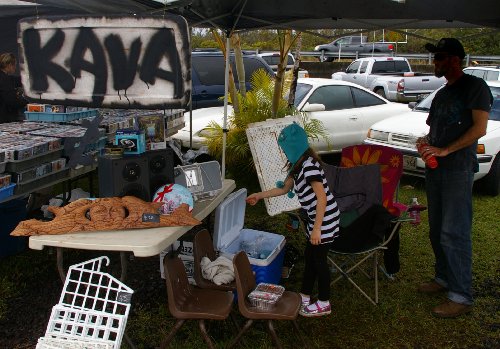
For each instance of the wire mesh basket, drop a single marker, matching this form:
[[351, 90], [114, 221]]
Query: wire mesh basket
[[92, 311]]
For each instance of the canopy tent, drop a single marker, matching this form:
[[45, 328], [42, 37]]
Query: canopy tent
[[292, 14], [230, 15]]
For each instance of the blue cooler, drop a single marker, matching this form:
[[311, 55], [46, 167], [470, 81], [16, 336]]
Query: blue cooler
[[230, 238]]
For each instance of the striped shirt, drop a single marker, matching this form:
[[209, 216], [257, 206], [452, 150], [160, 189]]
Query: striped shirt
[[311, 171]]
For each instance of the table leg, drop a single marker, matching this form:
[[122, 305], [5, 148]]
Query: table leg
[[124, 265], [60, 264]]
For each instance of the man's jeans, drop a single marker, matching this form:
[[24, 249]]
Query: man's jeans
[[449, 197]]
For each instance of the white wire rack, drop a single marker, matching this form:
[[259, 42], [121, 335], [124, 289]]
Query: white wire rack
[[92, 311], [269, 161]]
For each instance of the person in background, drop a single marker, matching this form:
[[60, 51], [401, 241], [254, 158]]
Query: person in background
[[458, 118], [11, 93], [307, 179]]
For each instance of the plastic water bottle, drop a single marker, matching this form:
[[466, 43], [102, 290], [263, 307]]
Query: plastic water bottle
[[414, 211]]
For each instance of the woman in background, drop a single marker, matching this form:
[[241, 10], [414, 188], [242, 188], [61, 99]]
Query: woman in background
[[12, 100]]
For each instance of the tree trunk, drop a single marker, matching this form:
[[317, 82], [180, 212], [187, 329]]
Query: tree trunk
[[285, 42], [293, 85], [238, 60]]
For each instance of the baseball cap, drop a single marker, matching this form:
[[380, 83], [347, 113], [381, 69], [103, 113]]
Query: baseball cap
[[451, 46]]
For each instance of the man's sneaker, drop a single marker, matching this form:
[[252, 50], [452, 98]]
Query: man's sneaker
[[313, 310]]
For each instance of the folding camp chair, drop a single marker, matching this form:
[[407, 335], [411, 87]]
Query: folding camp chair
[[356, 187]]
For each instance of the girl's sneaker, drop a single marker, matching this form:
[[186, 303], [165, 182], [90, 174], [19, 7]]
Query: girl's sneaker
[[304, 304], [313, 310]]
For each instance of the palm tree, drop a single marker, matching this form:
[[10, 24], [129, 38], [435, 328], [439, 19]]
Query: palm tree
[[255, 106]]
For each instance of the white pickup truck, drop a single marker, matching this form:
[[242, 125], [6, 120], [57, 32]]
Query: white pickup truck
[[390, 77]]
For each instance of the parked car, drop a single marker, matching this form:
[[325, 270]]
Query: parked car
[[390, 77], [401, 131], [207, 76], [273, 59], [354, 43], [487, 73], [346, 110]]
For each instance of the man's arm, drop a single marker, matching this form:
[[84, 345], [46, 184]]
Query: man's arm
[[476, 131]]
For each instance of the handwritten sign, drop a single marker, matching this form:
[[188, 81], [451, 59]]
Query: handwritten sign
[[112, 62]]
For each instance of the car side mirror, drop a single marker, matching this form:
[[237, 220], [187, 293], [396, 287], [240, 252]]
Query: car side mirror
[[412, 105], [312, 107]]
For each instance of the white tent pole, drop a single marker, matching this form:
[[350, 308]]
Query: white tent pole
[[226, 92]]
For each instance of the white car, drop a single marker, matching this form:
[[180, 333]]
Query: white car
[[401, 131], [346, 110], [273, 59]]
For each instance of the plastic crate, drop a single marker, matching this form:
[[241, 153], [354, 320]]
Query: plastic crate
[[60, 117], [7, 191], [92, 311]]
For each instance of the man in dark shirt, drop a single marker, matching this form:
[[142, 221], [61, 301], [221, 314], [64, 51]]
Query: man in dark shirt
[[458, 118], [11, 96]]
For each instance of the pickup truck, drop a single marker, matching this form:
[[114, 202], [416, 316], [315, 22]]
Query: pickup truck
[[390, 77], [353, 44]]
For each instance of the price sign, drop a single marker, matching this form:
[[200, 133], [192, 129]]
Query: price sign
[[151, 218]]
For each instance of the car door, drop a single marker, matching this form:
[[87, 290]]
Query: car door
[[341, 120], [351, 73], [371, 109]]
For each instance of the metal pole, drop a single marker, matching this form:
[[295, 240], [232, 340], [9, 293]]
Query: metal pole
[[226, 92]]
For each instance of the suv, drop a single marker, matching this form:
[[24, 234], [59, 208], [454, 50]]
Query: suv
[[487, 73], [207, 75]]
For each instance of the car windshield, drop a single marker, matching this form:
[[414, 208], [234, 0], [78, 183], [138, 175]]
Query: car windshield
[[425, 104], [300, 93]]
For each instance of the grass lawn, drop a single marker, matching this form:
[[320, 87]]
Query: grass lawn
[[401, 320]]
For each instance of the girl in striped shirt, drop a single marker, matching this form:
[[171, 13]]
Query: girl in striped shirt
[[307, 179]]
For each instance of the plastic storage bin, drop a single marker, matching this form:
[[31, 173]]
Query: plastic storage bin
[[230, 238], [7, 191], [60, 117]]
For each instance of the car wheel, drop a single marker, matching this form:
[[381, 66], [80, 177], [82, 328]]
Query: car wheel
[[491, 182], [322, 58], [380, 92]]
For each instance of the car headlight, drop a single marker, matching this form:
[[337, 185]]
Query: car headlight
[[378, 135]]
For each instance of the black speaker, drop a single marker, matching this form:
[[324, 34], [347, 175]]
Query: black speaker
[[161, 168], [124, 176]]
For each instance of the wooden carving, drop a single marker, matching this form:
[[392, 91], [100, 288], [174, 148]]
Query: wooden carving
[[104, 214]]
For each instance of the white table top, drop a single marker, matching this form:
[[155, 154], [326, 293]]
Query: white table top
[[142, 242]]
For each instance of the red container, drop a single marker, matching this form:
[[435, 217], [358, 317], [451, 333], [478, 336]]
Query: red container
[[431, 162]]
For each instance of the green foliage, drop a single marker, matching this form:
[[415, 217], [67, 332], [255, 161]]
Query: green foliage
[[255, 106]]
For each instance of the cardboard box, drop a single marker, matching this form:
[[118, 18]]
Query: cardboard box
[[132, 140], [154, 131], [188, 262]]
